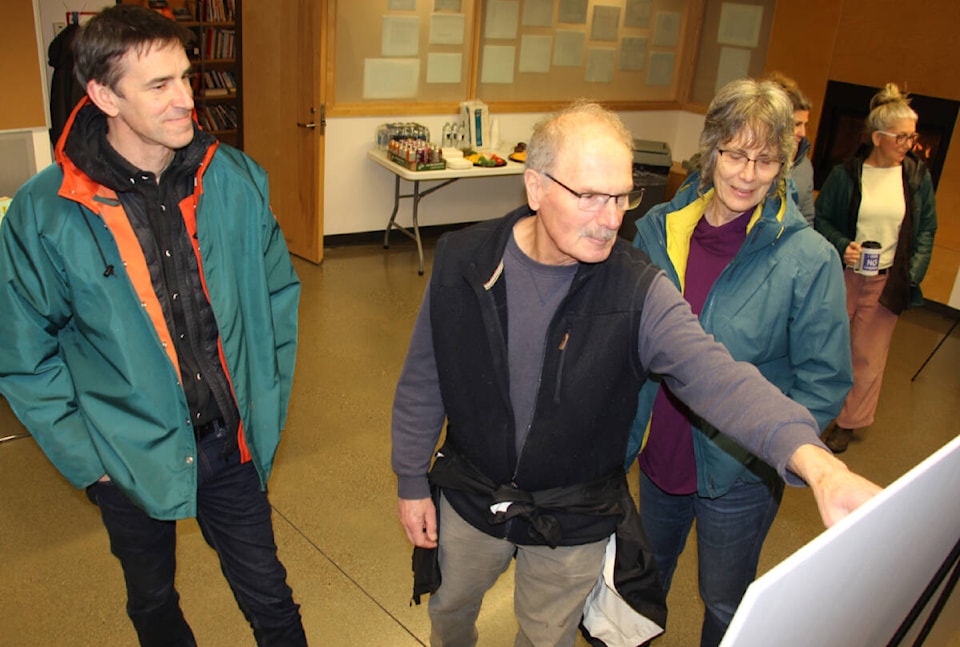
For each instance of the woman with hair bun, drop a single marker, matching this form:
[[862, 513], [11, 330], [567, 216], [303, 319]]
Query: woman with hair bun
[[883, 194]]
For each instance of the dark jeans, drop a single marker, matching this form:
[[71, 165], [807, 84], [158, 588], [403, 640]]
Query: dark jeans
[[730, 534], [234, 517]]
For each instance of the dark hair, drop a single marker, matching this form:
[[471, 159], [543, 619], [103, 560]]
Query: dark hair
[[103, 41]]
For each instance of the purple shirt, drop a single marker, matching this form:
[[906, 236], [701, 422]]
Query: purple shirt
[[668, 459]]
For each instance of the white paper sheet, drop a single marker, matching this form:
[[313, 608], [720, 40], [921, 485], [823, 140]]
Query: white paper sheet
[[502, 18], [637, 13], [391, 78], [666, 29], [633, 53], [402, 5], [498, 64], [733, 64], [444, 67], [400, 36], [661, 68], [535, 53], [537, 13], [600, 65], [606, 23], [568, 48], [739, 24], [446, 29], [446, 5], [573, 12]]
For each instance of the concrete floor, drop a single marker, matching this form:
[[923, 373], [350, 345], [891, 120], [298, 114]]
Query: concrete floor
[[335, 496]]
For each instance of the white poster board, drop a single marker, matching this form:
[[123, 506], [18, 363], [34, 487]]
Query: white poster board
[[856, 583]]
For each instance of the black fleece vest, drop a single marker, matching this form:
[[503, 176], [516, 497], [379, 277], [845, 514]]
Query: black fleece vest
[[587, 397]]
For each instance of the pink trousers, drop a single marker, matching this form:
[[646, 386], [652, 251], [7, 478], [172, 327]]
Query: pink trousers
[[871, 328]]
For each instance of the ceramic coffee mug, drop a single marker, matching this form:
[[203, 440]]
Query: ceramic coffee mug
[[869, 258]]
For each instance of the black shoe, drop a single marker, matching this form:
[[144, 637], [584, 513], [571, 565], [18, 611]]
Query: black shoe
[[837, 438]]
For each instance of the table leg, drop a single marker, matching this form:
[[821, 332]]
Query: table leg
[[417, 195], [416, 225], [393, 216]]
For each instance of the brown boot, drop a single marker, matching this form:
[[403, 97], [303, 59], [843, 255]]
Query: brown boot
[[837, 438]]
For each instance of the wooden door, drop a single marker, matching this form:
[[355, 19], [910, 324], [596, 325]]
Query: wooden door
[[283, 93]]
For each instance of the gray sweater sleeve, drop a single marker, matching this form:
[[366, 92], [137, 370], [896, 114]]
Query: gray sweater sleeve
[[418, 412], [732, 396], [802, 174]]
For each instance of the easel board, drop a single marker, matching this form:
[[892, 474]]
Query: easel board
[[855, 583]]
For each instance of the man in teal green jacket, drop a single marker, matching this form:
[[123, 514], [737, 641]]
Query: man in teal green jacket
[[150, 326]]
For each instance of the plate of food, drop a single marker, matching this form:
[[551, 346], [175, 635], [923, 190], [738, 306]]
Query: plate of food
[[519, 153], [488, 160]]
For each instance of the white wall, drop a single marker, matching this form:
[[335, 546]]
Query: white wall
[[55, 11], [358, 194], [27, 151]]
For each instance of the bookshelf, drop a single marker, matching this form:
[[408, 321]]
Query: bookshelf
[[217, 64]]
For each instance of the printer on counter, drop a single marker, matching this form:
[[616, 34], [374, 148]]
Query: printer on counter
[[651, 168]]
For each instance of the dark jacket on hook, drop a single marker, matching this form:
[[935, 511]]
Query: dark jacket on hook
[[65, 90]]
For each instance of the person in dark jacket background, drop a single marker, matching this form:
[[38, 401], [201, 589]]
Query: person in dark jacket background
[[884, 194], [533, 338]]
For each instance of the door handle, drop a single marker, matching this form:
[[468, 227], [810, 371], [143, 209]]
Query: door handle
[[311, 125]]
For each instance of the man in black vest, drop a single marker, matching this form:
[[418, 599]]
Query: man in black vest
[[534, 336]]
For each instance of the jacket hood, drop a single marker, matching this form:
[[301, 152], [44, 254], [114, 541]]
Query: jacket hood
[[84, 145]]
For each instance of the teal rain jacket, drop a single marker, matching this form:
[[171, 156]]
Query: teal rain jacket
[[86, 360], [780, 304]]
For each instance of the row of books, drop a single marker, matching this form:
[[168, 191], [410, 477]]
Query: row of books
[[219, 43], [209, 11], [219, 116], [218, 83], [218, 10]]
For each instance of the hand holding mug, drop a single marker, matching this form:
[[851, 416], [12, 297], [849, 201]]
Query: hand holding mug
[[851, 257]]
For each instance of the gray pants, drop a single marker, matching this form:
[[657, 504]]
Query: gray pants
[[550, 586]]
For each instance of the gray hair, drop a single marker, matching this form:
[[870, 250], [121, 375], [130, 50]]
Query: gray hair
[[887, 106], [759, 110], [550, 134]]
